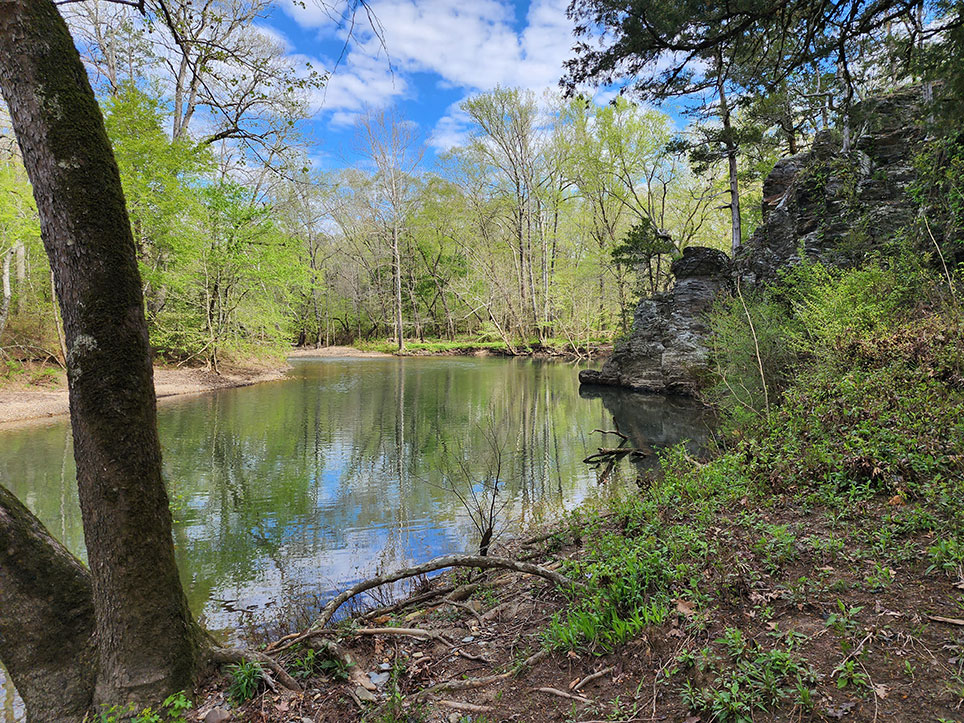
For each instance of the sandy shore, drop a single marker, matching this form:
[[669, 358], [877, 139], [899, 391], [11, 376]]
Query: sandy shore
[[24, 404]]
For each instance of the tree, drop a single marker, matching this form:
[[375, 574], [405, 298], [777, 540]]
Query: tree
[[146, 641], [392, 148]]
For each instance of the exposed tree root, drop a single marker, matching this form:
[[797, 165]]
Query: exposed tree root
[[234, 655], [590, 678], [467, 707], [562, 694], [473, 683], [439, 563], [409, 632]]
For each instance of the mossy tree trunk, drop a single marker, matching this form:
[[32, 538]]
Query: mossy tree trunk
[[148, 644], [47, 639]]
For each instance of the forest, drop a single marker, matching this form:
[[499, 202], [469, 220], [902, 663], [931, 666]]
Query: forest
[[751, 512], [548, 224]]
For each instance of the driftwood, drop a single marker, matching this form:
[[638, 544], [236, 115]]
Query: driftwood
[[439, 563], [608, 454]]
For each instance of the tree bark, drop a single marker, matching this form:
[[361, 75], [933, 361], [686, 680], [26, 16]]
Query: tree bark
[[47, 637], [148, 643], [732, 168], [5, 301]]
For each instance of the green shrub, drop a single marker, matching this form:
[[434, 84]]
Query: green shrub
[[247, 677]]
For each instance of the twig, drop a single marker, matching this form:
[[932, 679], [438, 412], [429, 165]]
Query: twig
[[611, 431], [949, 621], [756, 345], [590, 678], [562, 694]]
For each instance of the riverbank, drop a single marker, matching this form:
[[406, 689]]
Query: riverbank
[[22, 404], [811, 568], [688, 603], [553, 348], [40, 392]]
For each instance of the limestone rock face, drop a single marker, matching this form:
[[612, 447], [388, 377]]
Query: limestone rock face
[[821, 204], [666, 351], [839, 207]]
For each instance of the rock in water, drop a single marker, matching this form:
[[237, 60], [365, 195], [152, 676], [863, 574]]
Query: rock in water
[[666, 352]]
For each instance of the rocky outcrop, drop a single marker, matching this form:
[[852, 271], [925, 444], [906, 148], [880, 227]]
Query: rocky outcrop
[[839, 207], [666, 351], [823, 204]]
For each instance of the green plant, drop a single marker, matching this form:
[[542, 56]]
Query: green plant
[[247, 677], [849, 673], [946, 554], [172, 710]]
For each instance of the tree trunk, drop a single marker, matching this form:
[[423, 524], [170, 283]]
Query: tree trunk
[[731, 158], [148, 643], [397, 264], [5, 302], [47, 637]]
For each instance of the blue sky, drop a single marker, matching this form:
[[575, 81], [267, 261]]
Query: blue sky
[[437, 53]]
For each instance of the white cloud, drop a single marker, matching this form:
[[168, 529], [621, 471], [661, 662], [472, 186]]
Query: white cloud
[[473, 46]]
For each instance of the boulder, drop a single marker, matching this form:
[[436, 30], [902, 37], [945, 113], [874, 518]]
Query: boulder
[[666, 351]]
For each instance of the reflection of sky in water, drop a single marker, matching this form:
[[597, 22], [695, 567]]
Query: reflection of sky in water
[[287, 492]]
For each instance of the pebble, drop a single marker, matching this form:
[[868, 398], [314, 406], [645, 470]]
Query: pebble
[[366, 696], [468, 638], [384, 666], [217, 715], [379, 678]]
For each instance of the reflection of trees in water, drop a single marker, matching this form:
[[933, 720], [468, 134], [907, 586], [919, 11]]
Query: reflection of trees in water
[[654, 422], [282, 490]]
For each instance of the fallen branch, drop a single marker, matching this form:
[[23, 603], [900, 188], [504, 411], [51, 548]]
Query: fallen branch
[[611, 431], [402, 604], [948, 621], [475, 561], [467, 707], [590, 678], [611, 453], [562, 694]]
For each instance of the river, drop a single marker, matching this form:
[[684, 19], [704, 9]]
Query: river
[[286, 492]]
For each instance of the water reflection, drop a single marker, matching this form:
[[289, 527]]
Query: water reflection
[[289, 491]]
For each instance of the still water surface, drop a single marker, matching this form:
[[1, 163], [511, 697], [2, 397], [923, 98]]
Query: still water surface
[[286, 492]]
